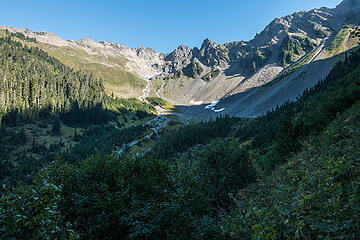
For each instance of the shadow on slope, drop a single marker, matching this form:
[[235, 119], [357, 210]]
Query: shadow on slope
[[257, 101]]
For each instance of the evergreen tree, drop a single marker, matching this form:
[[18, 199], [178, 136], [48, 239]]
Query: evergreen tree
[[56, 127]]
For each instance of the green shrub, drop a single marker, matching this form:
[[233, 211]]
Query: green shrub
[[315, 195], [157, 101], [223, 167], [33, 212]]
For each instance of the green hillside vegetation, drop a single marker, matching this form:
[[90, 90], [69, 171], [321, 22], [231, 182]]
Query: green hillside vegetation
[[112, 69], [193, 70], [35, 85], [46, 106], [157, 101], [211, 75], [256, 60], [296, 66], [156, 86], [315, 195], [21, 36], [336, 45], [223, 52], [294, 47], [290, 174], [185, 137]]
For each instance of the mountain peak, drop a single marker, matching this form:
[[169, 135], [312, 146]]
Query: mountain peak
[[208, 43], [180, 53], [88, 42]]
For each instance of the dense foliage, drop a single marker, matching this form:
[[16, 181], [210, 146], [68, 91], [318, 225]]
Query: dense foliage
[[290, 174], [183, 138], [340, 37], [315, 195], [34, 84], [37, 95], [294, 47], [103, 139], [280, 132]]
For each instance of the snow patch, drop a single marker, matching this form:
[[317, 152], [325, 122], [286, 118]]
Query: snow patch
[[219, 110], [213, 104], [193, 102]]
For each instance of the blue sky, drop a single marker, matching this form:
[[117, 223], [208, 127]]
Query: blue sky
[[159, 24]]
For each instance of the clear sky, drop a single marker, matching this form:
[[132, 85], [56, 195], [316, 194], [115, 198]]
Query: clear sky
[[159, 24]]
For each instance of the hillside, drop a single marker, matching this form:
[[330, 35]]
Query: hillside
[[303, 45], [45, 108], [243, 140], [35, 84], [283, 51], [87, 55], [292, 173]]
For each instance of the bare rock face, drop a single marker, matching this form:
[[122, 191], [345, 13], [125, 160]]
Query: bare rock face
[[44, 37], [89, 43], [208, 54], [178, 59]]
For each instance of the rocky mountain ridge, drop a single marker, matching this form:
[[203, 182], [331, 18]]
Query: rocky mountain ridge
[[216, 70]]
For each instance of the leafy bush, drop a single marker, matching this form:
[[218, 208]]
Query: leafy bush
[[313, 196], [223, 167], [109, 198], [33, 212], [279, 132]]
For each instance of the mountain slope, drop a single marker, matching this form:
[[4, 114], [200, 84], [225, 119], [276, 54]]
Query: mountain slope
[[282, 43], [289, 49], [291, 174], [35, 84], [98, 58]]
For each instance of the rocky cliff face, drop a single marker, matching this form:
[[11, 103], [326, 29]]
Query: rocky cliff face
[[248, 57]]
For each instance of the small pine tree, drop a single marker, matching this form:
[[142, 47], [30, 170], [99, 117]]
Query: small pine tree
[[21, 138], [76, 136], [56, 127], [34, 143]]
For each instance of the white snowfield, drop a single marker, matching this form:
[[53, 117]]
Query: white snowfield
[[193, 102], [219, 110], [211, 107], [213, 104]]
